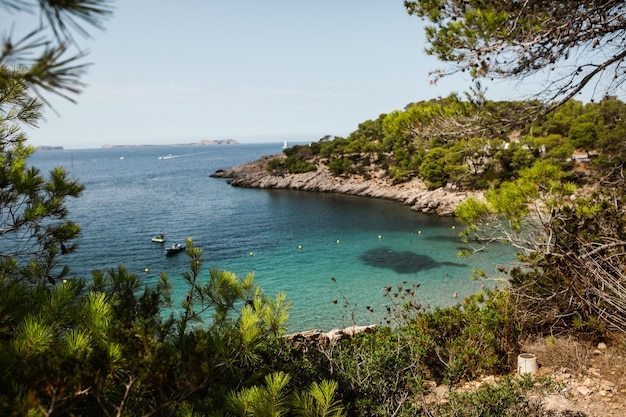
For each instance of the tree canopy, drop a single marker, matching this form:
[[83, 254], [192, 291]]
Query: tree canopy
[[464, 144], [34, 227], [47, 59], [569, 44]]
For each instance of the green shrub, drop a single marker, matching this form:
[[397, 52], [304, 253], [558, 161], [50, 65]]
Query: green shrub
[[511, 397], [340, 166], [379, 372], [298, 159], [471, 339]]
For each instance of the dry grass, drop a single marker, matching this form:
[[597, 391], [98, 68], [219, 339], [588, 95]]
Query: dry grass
[[562, 354], [584, 359], [572, 354]]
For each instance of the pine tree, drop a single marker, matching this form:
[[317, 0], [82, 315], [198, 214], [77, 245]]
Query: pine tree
[[34, 225]]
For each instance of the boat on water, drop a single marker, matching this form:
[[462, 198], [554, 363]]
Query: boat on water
[[158, 238], [174, 249], [285, 145], [168, 156]]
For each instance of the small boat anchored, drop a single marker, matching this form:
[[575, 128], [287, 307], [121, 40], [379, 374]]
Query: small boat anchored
[[174, 249], [158, 238], [285, 145]]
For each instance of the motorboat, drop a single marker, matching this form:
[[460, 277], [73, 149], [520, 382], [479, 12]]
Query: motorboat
[[158, 238], [174, 249]]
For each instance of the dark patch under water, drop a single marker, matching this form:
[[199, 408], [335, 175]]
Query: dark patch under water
[[402, 262]]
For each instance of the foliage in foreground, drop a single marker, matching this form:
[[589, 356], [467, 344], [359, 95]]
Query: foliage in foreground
[[384, 371], [510, 397], [116, 347], [112, 348], [572, 247], [515, 41]]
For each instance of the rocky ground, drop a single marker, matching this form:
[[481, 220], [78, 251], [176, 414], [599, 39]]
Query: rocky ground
[[415, 193], [589, 380], [588, 377], [592, 375]]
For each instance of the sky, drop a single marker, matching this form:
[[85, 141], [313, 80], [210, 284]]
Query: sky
[[254, 71]]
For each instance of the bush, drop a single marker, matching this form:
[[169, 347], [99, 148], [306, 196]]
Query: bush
[[510, 397], [480, 336], [381, 372], [111, 347], [340, 166], [297, 160]]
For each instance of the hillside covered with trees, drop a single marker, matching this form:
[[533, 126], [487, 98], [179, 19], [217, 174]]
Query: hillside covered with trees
[[467, 144]]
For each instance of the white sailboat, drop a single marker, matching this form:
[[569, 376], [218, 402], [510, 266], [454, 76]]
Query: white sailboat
[[285, 145]]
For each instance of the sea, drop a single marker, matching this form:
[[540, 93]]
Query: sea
[[331, 254]]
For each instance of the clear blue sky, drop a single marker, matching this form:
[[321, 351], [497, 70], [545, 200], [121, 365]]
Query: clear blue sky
[[254, 71]]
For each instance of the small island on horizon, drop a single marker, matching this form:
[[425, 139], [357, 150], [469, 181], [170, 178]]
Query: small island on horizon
[[200, 143], [48, 148]]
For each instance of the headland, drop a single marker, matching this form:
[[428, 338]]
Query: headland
[[414, 193]]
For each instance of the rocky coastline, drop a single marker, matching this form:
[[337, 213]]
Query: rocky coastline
[[441, 201]]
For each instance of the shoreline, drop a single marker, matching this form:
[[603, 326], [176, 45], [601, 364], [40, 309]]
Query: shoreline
[[441, 201]]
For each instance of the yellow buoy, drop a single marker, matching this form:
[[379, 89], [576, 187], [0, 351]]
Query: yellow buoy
[[454, 227], [380, 236], [338, 241], [419, 232], [146, 270], [251, 253], [299, 247]]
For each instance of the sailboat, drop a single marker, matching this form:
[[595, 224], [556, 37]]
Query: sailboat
[[285, 145]]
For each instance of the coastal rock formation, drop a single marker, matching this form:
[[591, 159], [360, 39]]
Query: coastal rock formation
[[415, 193], [318, 339]]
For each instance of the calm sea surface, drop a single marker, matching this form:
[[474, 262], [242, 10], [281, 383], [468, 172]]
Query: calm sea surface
[[293, 241]]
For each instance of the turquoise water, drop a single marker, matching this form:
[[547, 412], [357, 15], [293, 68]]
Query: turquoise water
[[294, 242]]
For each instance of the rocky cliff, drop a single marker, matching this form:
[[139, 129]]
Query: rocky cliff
[[415, 193]]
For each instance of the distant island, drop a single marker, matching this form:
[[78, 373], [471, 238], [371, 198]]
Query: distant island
[[201, 143], [48, 148]]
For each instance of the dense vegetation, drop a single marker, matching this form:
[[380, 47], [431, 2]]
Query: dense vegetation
[[108, 345], [420, 142]]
